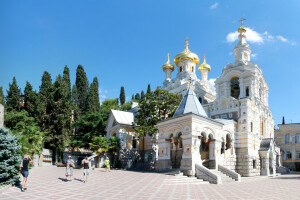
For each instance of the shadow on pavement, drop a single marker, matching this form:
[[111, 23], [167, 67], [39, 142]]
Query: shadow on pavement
[[76, 179], [63, 179]]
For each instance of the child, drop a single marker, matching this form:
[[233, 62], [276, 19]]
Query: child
[[107, 166]]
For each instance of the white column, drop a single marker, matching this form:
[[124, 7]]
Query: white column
[[242, 88]]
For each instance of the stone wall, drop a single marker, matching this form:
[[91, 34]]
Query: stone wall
[[244, 164], [1, 115]]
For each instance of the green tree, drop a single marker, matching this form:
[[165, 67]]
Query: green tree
[[31, 141], [126, 106], [13, 97], [93, 97], [99, 145], [122, 96], [153, 109], [44, 97], [67, 82], [9, 158], [2, 99], [137, 97], [82, 86], [87, 127], [106, 107], [143, 95], [132, 98], [148, 89], [57, 119], [283, 121], [31, 101], [18, 121]]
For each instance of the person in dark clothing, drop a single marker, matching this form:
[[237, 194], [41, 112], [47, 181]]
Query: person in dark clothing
[[25, 171], [86, 167]]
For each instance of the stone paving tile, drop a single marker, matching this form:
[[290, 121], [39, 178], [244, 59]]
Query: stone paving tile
[[49, 183]]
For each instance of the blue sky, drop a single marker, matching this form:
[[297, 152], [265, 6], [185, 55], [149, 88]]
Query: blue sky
[[125, 43]]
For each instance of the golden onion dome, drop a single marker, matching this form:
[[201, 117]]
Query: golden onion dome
[[186, 55], [168, 65], [242, 29], [204, 66]]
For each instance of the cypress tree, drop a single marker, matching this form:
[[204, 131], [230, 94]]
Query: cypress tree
[[13, 97], [44, 97], [132, 98], [137, 97], [58, 118], [67, 82], [2, 100], [142, 95], [148, 89], [122, 96], [30, 100], [82, 88], [283, 121], [93, 97]]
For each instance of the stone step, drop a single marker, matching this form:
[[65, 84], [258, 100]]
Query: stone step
[[223, 176]]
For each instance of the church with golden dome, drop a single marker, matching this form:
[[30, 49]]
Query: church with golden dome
[[216, 134], [186, 63]]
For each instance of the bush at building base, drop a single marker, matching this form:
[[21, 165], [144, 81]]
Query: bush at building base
[[9, 158]]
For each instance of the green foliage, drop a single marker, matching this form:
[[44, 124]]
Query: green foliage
[[143, 95], [99, 145], [87, 127], [132, 98], [17, 121], [113, 144], [82, 86], [58, 116], [93, 97], [9, 158], [44, 95], [107, 105], [158, 105], [67, 82], [137, 97], [122, 96], [149, 89], [31, 101], [126, 106], [27, 131], [13, 97], [31, 141], [2, 99], [283, 121]]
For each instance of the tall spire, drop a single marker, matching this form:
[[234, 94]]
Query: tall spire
[[186, 44], [242, 50]]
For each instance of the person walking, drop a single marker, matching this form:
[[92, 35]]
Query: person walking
[[86, 167], [107, 165], [69, 168], [24, 170]]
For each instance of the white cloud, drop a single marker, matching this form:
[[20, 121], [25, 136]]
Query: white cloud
[[214, 6], [252, 36], [255, 37], [279, 37], [102, 95], [212, 83], [254, 55]]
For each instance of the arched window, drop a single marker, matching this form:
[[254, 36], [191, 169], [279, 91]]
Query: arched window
[[297, 138], [192, 69], [247, 91], [288, 155], [180, 69], [251, 126], [235, 87], [288, 139]]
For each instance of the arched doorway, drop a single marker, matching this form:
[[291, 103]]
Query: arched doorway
[[228, 141], [204, 148], [176, 150]]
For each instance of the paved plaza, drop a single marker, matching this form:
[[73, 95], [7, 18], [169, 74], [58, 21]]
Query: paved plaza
[[49, 183]]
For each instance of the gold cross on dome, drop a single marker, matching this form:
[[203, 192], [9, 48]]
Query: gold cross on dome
[[186, 42], [242, 21], [168, 57]]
